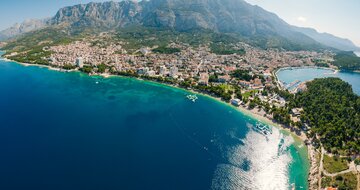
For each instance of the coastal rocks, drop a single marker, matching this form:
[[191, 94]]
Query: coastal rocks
[[314, 168]]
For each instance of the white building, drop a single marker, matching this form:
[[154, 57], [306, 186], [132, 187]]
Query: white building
[[173, 71], [145, 50], [163, 70], [236, 102], [151, 73], [79, 62]]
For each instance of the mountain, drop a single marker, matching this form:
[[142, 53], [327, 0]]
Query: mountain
[[224, 16], [249, 23], [328, 39], [26, 26], [107, 15]]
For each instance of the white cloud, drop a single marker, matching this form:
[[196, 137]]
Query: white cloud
[[301, 19]]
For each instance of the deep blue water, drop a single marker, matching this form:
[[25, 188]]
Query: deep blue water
[[71, 131], [305, 74]]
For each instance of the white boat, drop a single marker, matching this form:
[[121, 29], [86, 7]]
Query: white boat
[[262, 129], [193, 98]]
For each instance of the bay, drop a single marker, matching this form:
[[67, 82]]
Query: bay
[[73, 131]]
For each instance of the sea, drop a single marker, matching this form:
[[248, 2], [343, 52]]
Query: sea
[[308, 73], [63, 130]]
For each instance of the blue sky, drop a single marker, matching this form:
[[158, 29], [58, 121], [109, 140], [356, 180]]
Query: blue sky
[[338, 17]]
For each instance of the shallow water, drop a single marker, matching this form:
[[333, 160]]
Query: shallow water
[[71, 131]]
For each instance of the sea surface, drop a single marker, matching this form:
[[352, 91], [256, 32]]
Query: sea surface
[[304, 74], [72, 131]]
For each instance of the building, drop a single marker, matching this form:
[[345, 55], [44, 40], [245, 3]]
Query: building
[[79, 62], [236, 102], [174, 72], [163, 70], [150, 73], [224, 78], [143, 71], [296, 112], [244, 83], [204, 79], [145, 50]]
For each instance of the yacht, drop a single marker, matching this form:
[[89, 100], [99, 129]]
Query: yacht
[[263, 129]]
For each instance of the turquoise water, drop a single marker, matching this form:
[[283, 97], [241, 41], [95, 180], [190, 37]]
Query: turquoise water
[[72, 131], [305, 74]]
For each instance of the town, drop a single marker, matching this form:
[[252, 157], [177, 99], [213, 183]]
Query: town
[[247, 81]]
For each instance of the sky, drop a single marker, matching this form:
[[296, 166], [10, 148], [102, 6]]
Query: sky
[[338, 17]]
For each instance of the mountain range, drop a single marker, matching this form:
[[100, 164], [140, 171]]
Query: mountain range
[[221, 16]]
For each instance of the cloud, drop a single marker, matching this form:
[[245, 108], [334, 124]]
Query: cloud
[[301, 19]]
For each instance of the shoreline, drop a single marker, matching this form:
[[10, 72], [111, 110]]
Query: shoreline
[[299, 140]]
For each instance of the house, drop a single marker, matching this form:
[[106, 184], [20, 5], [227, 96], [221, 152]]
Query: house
[[244, 83], [145, 50], [204, 79], [224, 78], [296, 112], [79, 62], [236, 102], [174, 72]]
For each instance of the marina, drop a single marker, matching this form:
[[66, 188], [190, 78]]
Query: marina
[[292, 76]]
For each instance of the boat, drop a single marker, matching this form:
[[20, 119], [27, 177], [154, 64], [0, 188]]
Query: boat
[[262, 129], [193, 98]]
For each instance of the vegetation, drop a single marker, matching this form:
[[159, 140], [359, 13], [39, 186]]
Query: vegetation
[[222, 91], [166, 50], [101, 68], [35, 56], [333, 112], [225, 49], [357, 161], [87, 69], [347, 61], [321, 64], [342, 182], [326, 182], [242, 75], [69, 67], [38, 39], [335, 164]]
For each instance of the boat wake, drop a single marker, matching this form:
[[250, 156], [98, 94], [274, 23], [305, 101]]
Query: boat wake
[[261, 163]]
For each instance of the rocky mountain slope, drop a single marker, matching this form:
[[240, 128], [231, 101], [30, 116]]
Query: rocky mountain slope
[[329, 39], [24, 27], [237, 17]]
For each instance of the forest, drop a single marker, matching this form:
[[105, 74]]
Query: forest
[[332, 110]]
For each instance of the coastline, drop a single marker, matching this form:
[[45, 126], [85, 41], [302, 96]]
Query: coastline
[[299, 141]]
